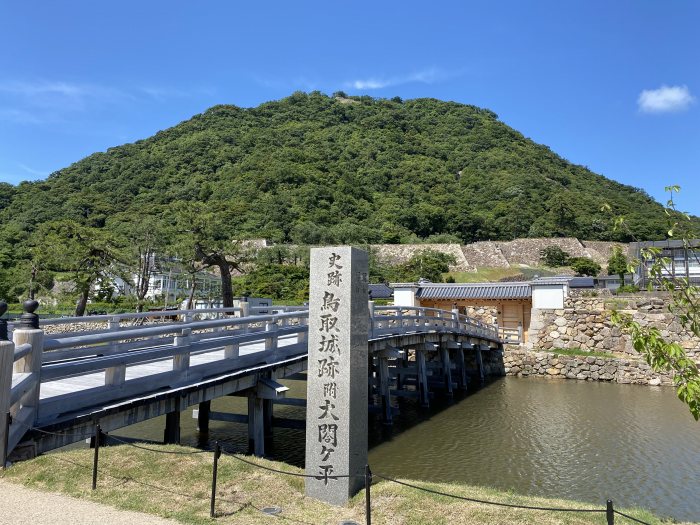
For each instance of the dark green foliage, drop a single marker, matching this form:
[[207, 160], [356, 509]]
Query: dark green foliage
[[617, 264], [554, 256], [584, 266], [277, 281], [627, 288], [313, 169], [427, 264]]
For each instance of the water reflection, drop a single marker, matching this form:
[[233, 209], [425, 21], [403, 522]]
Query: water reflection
[[584, 441]]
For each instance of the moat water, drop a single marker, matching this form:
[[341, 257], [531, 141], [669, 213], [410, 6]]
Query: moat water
[[587, 441]]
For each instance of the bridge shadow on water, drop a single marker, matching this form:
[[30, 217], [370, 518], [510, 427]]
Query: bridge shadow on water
[[288, 445]]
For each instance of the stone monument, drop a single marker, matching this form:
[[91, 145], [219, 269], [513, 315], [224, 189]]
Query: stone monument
[[336, 413]]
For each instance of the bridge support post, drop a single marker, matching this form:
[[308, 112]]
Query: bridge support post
[[385, 383], [446, 368], [461, 368], [479, 361], [256, 425], [203, 416], [422, 378], [171, 434]]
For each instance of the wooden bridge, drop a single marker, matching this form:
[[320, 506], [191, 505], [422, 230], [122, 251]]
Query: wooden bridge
[[55, 387]]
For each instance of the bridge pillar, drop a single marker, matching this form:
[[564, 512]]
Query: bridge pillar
[[256, 425], [423, 391], [479, 361], [446, 368], [461, 368], [171, 435], [384, 382], [203, 416]]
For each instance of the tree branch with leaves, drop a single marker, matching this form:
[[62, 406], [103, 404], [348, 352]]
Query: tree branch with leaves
[[660, 353]]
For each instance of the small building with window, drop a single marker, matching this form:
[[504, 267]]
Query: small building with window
[[680, 260]]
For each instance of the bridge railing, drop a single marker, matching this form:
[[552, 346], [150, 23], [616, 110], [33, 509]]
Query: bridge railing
[[391, 320], [71, 325], [110, 362], [511, 335]]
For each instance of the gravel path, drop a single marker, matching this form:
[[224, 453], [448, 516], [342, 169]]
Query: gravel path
[[23, 506]]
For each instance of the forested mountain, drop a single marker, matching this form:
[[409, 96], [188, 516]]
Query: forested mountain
[[312, 169]]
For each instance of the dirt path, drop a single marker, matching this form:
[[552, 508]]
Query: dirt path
[[23, 506]]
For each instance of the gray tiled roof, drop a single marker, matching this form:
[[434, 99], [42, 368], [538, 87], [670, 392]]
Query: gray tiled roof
[[515, 290], [380, 291]]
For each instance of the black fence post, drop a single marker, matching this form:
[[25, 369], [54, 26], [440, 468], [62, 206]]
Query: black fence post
[[217, 454], [368, 495], [610, 513], [98, 436]]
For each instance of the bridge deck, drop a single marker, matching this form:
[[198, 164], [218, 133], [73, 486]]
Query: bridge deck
[[78, 383]]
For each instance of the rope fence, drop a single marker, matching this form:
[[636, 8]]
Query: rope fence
[[368, 477]]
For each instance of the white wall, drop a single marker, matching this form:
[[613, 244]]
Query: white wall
[[548, 296], [404, 296]]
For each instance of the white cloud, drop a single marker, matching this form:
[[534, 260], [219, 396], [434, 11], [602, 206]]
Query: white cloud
[[49, 101], [666, 99], [426, 76], [32, 171]]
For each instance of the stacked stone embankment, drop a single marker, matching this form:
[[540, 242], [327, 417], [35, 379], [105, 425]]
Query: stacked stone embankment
[[585, 323], [524, 363]]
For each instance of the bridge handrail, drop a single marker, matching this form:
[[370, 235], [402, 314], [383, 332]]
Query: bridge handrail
[[64, 369], [139, 332], [133, 315], [438, 318]]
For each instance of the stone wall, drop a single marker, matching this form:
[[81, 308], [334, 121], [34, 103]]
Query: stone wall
[[524, 363], [585, 323], [400, 253], [499, 254]]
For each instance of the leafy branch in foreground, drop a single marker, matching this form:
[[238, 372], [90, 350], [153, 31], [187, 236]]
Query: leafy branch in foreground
[[660, 354]]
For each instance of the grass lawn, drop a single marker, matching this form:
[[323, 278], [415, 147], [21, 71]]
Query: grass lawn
[[579, 352], [496, 274], [178, 487]]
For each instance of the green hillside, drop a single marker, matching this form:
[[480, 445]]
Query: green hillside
[[313, 169], [310, 168]]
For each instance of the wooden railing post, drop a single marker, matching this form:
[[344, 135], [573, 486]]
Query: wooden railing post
[[28, 332], [181, 362], [245, 312], [271, 340], [520, 332], [455, 316], [370, 305], [115, 375], [7, 358]]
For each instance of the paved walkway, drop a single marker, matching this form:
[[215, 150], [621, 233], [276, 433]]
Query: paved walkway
[[23, 506]]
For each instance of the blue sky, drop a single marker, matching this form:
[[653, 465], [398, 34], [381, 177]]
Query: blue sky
[[614, 86]]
